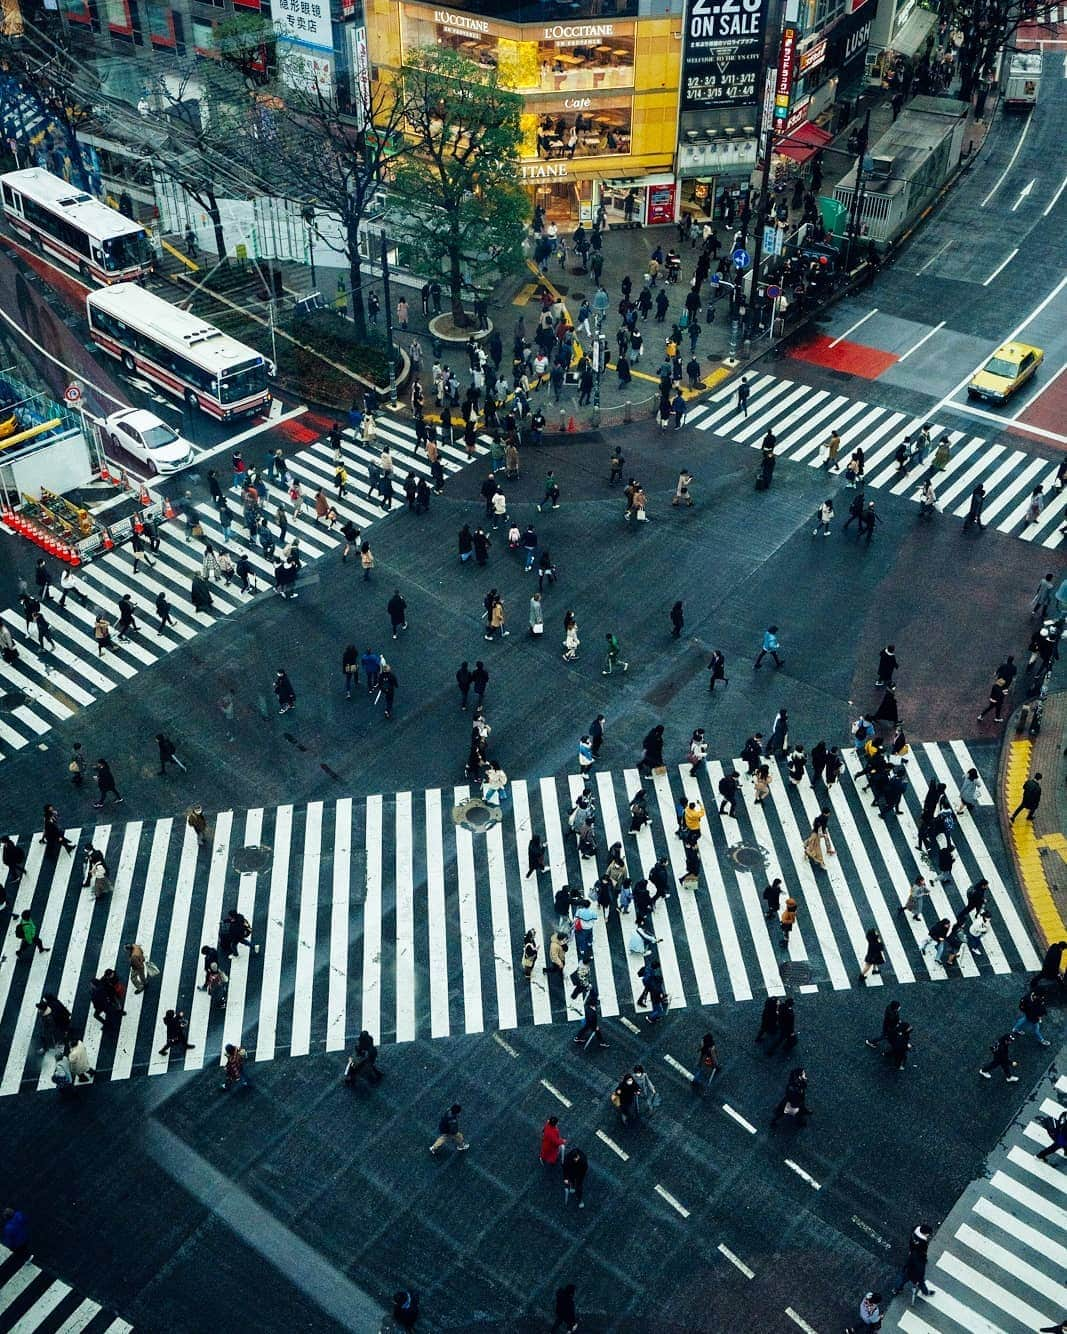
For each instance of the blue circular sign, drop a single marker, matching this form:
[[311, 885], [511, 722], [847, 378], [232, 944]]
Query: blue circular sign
[[740, 258]]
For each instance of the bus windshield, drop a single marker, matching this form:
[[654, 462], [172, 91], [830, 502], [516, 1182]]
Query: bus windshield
[[242, 381], [125, 252]]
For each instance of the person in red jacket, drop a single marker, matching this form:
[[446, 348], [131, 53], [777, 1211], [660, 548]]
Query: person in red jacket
[[552, 1142]]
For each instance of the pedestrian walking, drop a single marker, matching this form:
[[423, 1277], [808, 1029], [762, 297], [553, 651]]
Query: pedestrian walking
[[590, 1029], [105, 784], [743, 392], [874, 956], [167, 754], [1032, 1010], [1036, 506], [566, 1312], [917, 891], [913, 1270], [177, 1032], [283, 690], [974, 509], [890, 1023], [235, 1068], [1031, 798], [677, 620], [772, 897], [529, 954], [823, 518], [768, 1024], [612, 656], [1001, 1052], [787, 921], [771, 645], [832, 445], [449, 1131], [794, 1103], [817, 846], [717, 670], [708, 1064], [575, 1170], [552, 1143], [363, 1063], [397, 608]]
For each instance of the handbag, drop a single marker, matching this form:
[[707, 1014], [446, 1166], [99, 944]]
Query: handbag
[[538, 628], [616, 1101], [151, 969]]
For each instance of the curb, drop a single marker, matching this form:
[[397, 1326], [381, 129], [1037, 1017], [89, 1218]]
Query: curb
[[1022, 841]]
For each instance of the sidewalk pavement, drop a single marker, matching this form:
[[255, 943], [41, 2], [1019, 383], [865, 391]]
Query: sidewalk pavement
[[1039, 846]]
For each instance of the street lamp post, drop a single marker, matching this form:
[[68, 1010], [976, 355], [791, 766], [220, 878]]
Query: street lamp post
[[388, 321], [600, 306], [857, 190]]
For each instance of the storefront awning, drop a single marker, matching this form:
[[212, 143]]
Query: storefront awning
[[803, 143], [913, 33]]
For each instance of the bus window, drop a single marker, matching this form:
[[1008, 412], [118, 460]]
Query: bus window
[[123, 252], [242, 381]]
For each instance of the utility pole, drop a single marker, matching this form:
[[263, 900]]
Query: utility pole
[[600, 306], [857, 190], [766, 140], [388, 321]]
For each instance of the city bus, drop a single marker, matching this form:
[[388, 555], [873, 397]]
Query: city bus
[[101, 243], [180, 351]]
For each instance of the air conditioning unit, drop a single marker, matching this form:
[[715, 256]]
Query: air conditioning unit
[[882, 166]]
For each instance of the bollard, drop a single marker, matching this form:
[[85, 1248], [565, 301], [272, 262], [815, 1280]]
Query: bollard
[[627, 411]]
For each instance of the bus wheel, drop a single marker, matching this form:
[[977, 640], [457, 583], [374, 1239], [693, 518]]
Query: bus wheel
[[128, 363]]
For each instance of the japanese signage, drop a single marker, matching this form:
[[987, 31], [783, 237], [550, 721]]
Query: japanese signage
[[848, 42], [305, 69], [359, 69], [306, 22], [812, 57], [783, 83], [723, 53], [798, 115]]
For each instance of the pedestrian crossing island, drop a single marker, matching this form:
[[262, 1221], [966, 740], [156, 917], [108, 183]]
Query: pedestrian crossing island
[[383, 913]]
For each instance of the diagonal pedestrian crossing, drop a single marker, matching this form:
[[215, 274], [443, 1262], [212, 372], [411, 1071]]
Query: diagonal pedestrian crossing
[[52, 681], [802, 419], [385, 913], [999, 1261], [33, 1302]]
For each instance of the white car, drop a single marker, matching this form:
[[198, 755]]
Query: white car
[[148, 438]]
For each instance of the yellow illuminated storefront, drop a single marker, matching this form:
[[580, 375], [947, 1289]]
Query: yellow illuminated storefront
[[600, 98]]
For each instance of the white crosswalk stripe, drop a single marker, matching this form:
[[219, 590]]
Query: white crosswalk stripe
[[386, 914], [802, 418], [33, 1300], [999, 1260], [70, 673]]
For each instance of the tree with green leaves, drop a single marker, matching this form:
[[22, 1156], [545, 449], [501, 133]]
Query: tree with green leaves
[[460, 207], [989, 26]]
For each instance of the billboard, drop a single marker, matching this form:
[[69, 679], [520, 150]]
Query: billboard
[[723, 53]]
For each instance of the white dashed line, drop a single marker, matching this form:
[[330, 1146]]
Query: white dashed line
[[672, 1201], [799, 1320], [677, 1065], [614, 1147], [556, 1093], [626, 1023], [808, 988], [802, 1174], [507, 1046], [736, 1262], [739, 1118]]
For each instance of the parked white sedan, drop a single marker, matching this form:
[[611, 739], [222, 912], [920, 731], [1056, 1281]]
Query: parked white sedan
[[148, 438]]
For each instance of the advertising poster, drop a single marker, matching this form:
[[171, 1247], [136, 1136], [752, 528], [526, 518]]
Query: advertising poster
[[723, 53]]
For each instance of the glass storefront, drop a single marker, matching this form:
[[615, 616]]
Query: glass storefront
[[560, 129], [553, 57]]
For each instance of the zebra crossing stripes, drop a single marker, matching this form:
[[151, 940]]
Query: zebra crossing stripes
[[33, 1300], [71, 673], [999, 1260], [385, 914], [802, 418]]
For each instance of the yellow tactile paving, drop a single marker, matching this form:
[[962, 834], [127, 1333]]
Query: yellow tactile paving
[[1027, 847]]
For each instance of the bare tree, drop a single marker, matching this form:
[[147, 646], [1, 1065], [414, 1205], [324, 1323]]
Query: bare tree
[[335, 159], [48, 73], [989, 26]]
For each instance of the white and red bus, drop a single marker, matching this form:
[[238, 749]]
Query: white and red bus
[[180, 351], [101, 243]]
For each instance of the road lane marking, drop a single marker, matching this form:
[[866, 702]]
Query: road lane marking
[[614, 1147], [677, 1065], [805, 1176], [736, 1262], [1023, 193], [506, 1045], [1001, 267], [854, 326], [937, 327], [1011, 163], [671, 1200], [627, 1023], [875, 1236], [1055, 198], [799, 1320], [937, 255], [1008, 423], [739, 1118], [556, 1093]]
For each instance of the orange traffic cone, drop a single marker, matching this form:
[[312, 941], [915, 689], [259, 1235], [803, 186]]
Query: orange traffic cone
[[571, 424], [138, 526], [75, 559], [105, 476], [168, 509], [144, 498], [108, 543]]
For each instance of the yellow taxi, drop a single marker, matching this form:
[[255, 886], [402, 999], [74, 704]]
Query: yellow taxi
[[1010, 366]]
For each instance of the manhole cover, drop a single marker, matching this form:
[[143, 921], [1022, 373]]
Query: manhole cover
[[11, 700], [476, 816], [253, 857], [795, 974], [748, 856]]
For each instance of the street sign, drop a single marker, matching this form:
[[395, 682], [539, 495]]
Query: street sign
[[774, 292], [740, 258], [72, 393], [716, 278]]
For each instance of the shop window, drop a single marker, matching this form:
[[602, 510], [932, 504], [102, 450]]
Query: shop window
[[597, 130], [160, 23], [117, 16], [76, 11]]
